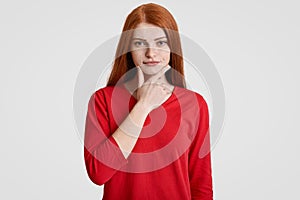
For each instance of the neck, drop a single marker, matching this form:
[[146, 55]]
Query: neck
[[147, 77], [163, 78], [131, 85]]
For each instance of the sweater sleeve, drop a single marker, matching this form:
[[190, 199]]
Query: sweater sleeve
[[200, 158], [102, 155]]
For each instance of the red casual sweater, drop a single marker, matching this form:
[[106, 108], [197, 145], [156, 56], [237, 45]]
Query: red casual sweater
[[171, 159]]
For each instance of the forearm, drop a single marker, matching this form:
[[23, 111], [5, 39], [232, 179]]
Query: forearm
[[128, 132]]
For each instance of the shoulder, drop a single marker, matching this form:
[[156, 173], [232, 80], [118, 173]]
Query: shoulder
[[186, 93], [108, 93], [104, 89], [101, 94]]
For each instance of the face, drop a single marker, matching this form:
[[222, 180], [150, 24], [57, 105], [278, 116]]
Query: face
[[149, 48]]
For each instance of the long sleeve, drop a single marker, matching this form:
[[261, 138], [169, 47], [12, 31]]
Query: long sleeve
[[101, 153], [200, 158]]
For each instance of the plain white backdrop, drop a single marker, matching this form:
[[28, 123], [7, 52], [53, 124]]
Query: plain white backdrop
[[254, 45]]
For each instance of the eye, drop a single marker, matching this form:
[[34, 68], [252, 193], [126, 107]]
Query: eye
[[162, 43], [139, 43]]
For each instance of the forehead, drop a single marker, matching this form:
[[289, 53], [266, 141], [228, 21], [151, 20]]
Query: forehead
[[148, 31]]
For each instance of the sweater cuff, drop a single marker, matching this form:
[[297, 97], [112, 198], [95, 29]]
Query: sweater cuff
[[117, 152]]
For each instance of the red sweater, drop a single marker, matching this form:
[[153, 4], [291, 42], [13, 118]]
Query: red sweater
[[171, 159]]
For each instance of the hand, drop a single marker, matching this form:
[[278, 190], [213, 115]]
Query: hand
[[152, 93]]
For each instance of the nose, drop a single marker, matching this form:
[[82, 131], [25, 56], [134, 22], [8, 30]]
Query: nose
[[150, 52]]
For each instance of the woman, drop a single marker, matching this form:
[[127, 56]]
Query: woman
[[144, 130]]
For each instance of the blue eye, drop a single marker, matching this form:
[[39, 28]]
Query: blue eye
[[139, 43], [162, 43]]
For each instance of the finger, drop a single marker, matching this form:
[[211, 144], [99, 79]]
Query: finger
[[159, 74], [166, 87], [140, 77]]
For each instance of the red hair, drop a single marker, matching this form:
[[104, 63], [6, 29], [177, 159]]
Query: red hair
[[159, 16]]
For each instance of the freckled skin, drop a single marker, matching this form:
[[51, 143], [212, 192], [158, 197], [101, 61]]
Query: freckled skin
[[150, 45]]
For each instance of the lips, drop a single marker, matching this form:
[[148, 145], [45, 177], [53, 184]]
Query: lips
[[151, 63]]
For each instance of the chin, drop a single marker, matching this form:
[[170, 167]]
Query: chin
[[151, 70]]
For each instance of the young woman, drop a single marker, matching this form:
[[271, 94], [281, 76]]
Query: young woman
[[145, 131]]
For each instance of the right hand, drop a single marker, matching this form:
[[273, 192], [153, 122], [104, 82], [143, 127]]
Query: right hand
[[152, 93]]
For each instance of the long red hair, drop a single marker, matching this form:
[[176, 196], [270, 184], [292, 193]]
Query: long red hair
[[158, 16]]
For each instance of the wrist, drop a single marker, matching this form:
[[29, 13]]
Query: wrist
[[141, 107]]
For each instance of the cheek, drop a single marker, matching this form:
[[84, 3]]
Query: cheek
[[136, 57], [166, 57]]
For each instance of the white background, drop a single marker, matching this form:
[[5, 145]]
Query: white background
[[254, 45]]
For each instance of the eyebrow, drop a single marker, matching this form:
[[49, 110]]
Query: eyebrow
[[146, 40]]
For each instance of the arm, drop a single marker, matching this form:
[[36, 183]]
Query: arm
[[105, 153], [200, 158]]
